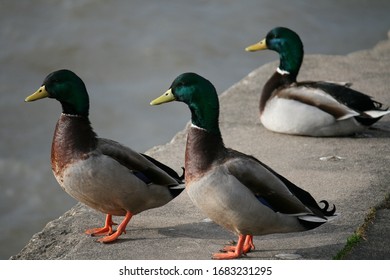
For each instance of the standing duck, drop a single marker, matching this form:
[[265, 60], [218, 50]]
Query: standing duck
[[236, 190], [101, 173], [311, 108]]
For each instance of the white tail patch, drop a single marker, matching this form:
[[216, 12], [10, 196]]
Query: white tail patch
[[377, 114], [314, 219]]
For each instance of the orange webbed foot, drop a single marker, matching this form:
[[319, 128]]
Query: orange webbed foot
[[106, 230], [247, 247], [234, 252], [121, 229], [226, 256], [229, 248]]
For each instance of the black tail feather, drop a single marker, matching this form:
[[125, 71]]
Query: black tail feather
[[183, 174], [176, 190], [167, 169], [325, 210]]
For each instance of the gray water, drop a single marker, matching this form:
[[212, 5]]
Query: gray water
[[127, 53]]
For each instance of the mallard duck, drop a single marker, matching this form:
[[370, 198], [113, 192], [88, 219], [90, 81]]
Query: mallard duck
[[101, 173], [311, 108], [233, 189]]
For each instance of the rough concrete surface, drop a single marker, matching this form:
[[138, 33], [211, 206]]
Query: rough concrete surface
[[355, 182]]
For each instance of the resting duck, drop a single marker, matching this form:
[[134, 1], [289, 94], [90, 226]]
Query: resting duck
[[101, 173], [309, 108], [236, 190]]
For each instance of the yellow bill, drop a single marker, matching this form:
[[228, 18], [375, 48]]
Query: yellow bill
[[39, 94], [166, 97], [262, 45]]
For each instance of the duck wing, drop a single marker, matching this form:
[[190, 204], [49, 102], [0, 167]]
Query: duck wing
[[142, 166], [346, 95], [272, 189], [367, 110], [167, 169], [307, 93]]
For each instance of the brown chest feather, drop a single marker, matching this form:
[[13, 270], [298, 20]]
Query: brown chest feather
[[277, 81], [203, 149], [73, 140]]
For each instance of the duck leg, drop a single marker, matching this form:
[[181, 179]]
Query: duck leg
[[233, 252], [248, 245], [106, 230], [121, 229]]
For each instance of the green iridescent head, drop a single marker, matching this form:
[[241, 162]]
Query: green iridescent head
[[66, 87], [200, 96], [285, 42]]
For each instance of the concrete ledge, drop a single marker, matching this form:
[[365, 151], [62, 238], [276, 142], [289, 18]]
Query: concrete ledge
[[355, 183]]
